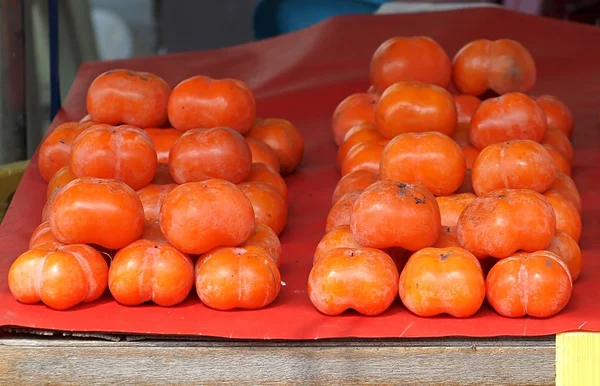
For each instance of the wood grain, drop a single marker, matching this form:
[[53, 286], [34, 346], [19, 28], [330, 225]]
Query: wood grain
[[33, 361]]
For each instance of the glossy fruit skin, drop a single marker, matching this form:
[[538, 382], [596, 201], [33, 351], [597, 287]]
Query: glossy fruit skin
[[566, 186], [96, 211], [561, 163], [470, 153], [568, 218], [262, 153], [128, 97], [363, 279], [147, 271], [61, 278], [509, 117], [504, 221], [338, 237], [269, 207], [520, 164], [438, 281], [365, 132], [363, 156], [62, 177], [201, 102], [452, 206], [163, 139], [466, 105], [340, 212], [431, 159], [124, 153], [283, 138], [42, 237], [55, 150], [152, 198], [559, 141], [415, 107], [387, 202], [537, 284], [447, 238], [202, 154], [358, 180], [198, 216], [265, 238], [230, 278], [356, 109], [416, 58], [563, 246], [558, 114], [502, 66], [264, 173]]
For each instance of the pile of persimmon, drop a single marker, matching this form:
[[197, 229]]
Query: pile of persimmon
[[159, 190], [447, 200]]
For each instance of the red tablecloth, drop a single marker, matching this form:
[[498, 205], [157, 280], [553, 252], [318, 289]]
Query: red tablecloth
[[301, 77]]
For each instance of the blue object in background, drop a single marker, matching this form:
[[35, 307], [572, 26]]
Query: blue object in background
[[276, 17], [55, 101]]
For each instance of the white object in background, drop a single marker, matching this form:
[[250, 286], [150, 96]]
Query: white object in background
[[401, 7], [113, 36]]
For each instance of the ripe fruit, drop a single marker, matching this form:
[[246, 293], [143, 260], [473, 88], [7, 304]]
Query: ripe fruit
[[338, 237], [283, 138], [340, 212], [466, 105], [264, 173], [264, 237], [568, 250], [560, 142], [163, 140], [363, 156], [558, 114], [365, 132], [42, 237], [62, 177], [356, 109], [395, 214], [452, 206], [262, 153], [55, 150], [432, 159], [269, 207], [416, 107], [442, 280], [568, 218], [564, 185], [358, 180], [362, 279]]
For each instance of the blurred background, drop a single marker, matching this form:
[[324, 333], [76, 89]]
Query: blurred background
[[116, 29]]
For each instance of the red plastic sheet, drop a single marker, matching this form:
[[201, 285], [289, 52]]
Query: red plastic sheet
[[301, 77]]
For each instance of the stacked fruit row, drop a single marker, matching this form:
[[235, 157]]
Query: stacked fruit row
[[154, 181], [446, 200]]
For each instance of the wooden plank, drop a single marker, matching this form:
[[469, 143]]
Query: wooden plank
[[31, 361]]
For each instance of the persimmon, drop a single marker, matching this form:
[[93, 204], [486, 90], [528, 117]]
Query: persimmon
[[269, 207], [339, 214], [558, 114], [97, 211], [202, 154], [338, 237], [264, 173], [559, 141], [124, 153], [42, 235], [438, 281], [502, 66], [198, 216], [163, 175], [357, 180], [62, 177], [152, 232], [452, 206], [230, 278], [467, 186], [504, 221], [262, 153], [363, 279], [264, 237], [414, 58], [60, 278], [147, 271], [537, 284], [466, 105], [470, 153], [201, 102], [408, 107], [564, 185], [508, 117], [284, 138], [447, 238], [356, 109], [152, 198], [395, 214], [365, 132], [55, 149], [363, 156], [561, 163], [568, 218], [520, 164], [461, 134], [568, 250], [128, 97], [429, 158], [163, 139]]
